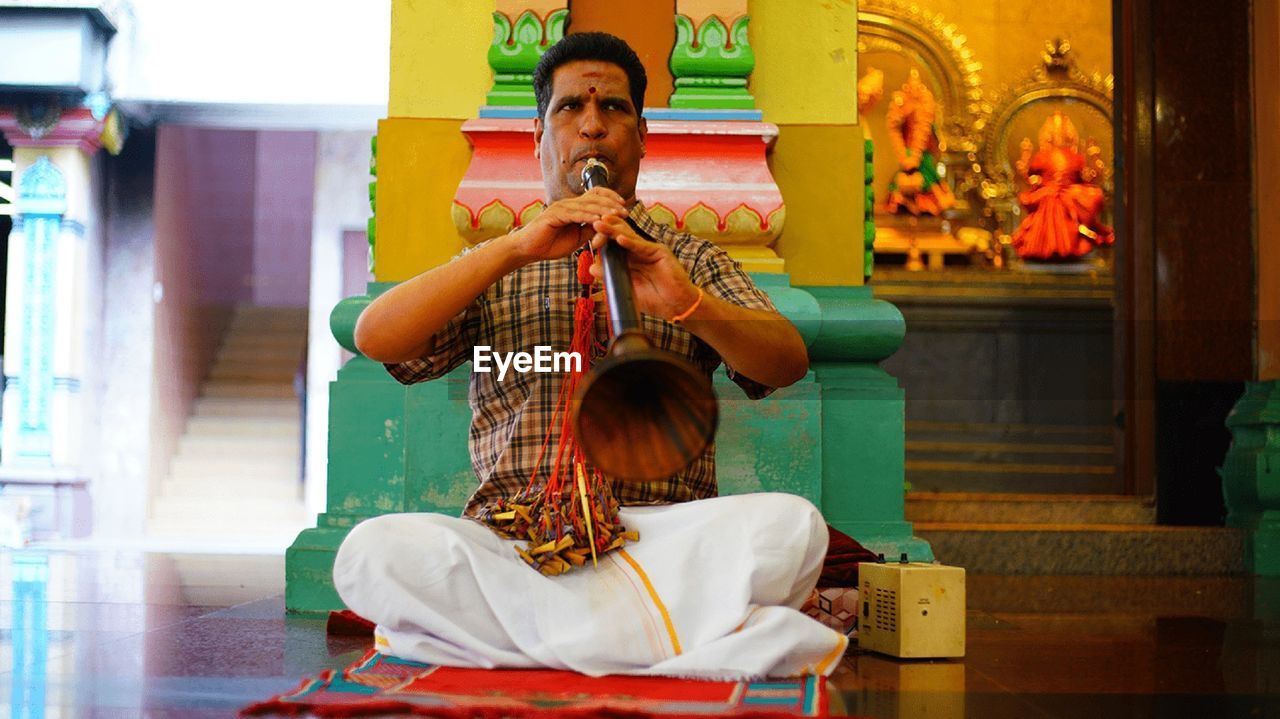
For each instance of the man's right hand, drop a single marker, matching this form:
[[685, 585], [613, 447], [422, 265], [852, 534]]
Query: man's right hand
[[565, 225], [402, 322]]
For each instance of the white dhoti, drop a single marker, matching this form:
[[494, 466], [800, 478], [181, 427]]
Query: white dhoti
[[711, 590]]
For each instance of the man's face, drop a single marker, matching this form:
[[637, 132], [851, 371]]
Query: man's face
[[590, 115]]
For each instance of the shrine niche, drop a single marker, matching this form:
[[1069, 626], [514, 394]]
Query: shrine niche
[[1047, 157], [926, 132]]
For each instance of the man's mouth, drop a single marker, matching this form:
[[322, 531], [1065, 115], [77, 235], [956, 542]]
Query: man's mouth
[[593, 154]]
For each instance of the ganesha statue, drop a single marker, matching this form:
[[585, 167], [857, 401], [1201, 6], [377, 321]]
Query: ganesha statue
[[1062, 201]]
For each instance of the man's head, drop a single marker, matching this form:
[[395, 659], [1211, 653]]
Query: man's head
[[590, 91]]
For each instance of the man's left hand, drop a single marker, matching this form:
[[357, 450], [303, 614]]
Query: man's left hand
[[662, 287]]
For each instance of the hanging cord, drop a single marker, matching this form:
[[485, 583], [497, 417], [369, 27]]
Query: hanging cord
[[572, 515]]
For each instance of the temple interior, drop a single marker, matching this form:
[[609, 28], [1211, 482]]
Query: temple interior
[[1032, 251]]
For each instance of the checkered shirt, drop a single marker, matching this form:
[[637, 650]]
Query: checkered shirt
[[534, 306]]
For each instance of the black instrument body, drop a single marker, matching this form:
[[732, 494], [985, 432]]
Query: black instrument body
[[641, 414]]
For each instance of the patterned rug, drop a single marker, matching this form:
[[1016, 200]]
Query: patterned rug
[[383, 685]]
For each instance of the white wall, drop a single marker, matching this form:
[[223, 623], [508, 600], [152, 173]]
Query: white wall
[[253, 52]]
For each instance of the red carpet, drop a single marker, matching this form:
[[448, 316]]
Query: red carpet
[[382, 685]]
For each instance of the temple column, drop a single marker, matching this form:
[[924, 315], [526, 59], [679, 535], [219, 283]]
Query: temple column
[[1251, 470], [48, 302]]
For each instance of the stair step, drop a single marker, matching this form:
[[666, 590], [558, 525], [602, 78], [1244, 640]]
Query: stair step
[[241, 449], [241, 426], [270, 314], [252, 309], [248, 352], [1111, 549], [252, 323], [1014, 458], [1019, 477], [1009, 468], [1003, 431], [275, 344], [265, 341], [276, 363], [230, 507], [1009, 508], [1003, 448], [271, 489], [283, 374], [246, 390], [247, 466], [239, 364], [255, 407]]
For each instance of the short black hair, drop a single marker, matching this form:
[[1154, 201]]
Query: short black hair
[[599, 46]]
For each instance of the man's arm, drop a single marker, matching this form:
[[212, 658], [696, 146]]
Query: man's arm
[[401, 324], [760, 344]]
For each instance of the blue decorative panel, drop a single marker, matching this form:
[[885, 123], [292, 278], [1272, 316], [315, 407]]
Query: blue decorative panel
[[42, 198]]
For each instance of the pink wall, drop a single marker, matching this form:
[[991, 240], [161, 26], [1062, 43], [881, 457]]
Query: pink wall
[[220, 164], [187, 326], [283, 200]]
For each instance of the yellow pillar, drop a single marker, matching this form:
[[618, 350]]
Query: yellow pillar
[[818, 160], [439, 76]]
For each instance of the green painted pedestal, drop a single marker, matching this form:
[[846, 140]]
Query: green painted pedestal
[[863, 421], [1251, 475], [835, 438], [392, 448]]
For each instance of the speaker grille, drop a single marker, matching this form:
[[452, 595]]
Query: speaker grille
[[885, 616]]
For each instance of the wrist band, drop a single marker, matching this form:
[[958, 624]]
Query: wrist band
[[685, 315]]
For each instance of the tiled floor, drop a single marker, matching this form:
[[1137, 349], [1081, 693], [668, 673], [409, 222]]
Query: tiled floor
[[103, 634]]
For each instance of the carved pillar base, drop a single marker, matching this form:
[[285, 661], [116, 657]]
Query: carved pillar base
[[392, 448], [863, 421], [1251, 475]]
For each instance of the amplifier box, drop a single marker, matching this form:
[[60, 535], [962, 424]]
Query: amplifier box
[[911, 610]]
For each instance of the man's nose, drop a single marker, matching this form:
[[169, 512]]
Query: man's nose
[[592, 126]]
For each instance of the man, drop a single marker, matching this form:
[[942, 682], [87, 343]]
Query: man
[[713, 586]]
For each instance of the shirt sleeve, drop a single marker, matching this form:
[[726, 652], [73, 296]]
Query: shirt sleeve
[[453, 345], [721, 276]]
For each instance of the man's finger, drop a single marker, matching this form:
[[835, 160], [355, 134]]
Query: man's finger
[[605, 192], [602, 203], [612, 226]]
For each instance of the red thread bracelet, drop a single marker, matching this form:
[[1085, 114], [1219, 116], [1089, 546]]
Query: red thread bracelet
[[685, 315]]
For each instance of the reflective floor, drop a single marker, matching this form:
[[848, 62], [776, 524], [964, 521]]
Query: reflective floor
[[127, 634]]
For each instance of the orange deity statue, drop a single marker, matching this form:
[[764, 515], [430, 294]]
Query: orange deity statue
[[1062, 202], [917, 187]]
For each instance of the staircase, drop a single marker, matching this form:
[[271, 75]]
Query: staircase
[[235, 480], [1006, 533], [1025, 459]]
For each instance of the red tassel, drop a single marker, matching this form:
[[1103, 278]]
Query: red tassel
[[553, 509]]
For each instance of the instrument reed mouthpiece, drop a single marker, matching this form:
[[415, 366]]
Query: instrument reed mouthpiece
[[594, 174]]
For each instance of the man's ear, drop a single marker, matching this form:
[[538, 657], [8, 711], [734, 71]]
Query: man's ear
[[537, 137], [643, 128]]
